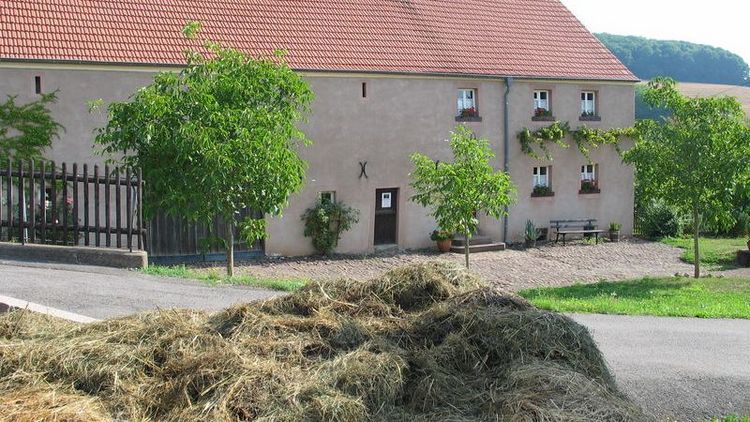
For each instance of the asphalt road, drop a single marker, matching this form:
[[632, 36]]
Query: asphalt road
[[102, 293], [683, 369]]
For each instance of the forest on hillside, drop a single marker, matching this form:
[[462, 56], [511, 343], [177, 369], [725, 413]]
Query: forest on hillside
[[680, 60]]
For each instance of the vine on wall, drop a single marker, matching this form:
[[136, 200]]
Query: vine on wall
[[585, 138], [556, 133]]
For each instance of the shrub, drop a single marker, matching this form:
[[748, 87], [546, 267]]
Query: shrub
[[658, 220], [325, 222], [441, 235]]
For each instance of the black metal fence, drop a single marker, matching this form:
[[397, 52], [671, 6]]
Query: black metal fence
[[41, 203]]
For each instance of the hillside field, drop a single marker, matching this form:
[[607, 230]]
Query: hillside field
[[705, 90]]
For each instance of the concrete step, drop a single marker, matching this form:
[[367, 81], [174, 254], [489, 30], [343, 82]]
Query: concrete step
[[474, 240], [499, 246]]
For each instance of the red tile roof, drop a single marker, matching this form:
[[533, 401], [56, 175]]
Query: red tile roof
[[523, 38]]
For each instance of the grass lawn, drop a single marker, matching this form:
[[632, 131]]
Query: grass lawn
[[214, 277], [714, 251], [669, 296], [732, 419]]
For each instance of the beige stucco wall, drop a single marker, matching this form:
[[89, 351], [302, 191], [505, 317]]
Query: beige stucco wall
[[400, 115], [616, 106]]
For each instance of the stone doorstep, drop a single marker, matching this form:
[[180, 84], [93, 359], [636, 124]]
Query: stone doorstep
[[8, 304], [474, 240], [83, 255], [500, 246]]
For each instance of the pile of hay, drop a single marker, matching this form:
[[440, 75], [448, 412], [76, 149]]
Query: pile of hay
[[422, 343]]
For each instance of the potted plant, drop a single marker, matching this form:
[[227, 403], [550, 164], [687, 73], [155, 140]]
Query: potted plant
[[589, 186], [614, 231], [541, 191], [530, 234], [468, 112], [542, 112], [444, 238]]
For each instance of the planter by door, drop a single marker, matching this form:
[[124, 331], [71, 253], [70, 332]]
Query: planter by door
[[386, 216], [444, 245]]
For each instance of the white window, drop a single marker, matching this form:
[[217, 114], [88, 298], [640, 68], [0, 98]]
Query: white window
[[540, 177], [328, 196], [541, 100], [588, 172], [467, 102], [588, 103]]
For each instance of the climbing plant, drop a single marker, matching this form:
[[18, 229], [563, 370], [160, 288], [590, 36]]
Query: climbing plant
[[326, 221], [556, 133], [585, 138]]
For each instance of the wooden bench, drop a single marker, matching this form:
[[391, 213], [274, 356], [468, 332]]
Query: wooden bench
[[566, 227]]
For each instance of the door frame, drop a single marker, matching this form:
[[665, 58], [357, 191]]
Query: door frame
[[397, 205]]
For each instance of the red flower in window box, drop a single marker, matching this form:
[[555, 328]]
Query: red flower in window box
[[542, 112], [589, 186], [469, 112]]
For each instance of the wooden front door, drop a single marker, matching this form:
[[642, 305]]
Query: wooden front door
[[386, 216]]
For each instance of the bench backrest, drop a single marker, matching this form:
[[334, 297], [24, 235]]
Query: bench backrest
[[566, 224]]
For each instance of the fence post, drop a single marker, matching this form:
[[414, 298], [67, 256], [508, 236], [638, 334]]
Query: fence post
[[129, 209], [76, 226], [53, 188], [32, 203], [106, 204], [97, 208], [21, 205], [86, 204], [118, 203], [141, 232], [65, 203], [43, 202], [9, 196]]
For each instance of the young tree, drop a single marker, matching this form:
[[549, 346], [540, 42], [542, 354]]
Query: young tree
[[26, 130], [215, 138], [457, 191], [695, 159]]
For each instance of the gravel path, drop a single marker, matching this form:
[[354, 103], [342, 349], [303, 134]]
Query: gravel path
[[549, 265]]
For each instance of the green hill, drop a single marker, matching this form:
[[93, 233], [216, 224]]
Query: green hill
[[680, 60]]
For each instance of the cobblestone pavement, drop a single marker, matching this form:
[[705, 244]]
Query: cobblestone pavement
[[548, 265]]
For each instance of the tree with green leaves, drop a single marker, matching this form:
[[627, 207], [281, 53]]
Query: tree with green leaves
[[215, 138], [457, 191], [695, 159], [26, 130]]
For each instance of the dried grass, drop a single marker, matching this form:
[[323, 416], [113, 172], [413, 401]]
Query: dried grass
[[422, 343]]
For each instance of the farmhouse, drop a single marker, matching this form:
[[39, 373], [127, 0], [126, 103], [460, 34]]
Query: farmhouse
[[391, 77]]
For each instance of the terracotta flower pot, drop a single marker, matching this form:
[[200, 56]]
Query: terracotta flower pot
[[444, 245]]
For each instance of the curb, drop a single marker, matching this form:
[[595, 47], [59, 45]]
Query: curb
[[8, 304]]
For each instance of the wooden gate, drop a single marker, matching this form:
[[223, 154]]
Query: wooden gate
[[173, 240]]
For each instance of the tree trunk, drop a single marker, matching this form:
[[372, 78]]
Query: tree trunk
[[230, 247], [696, 243], [467, 238]]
